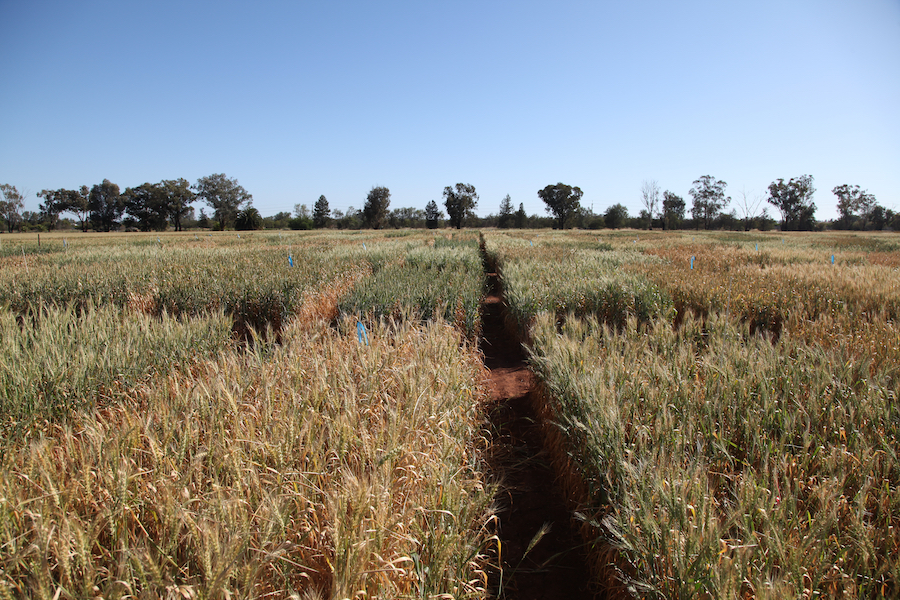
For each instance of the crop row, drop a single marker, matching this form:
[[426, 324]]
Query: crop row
[[442, 280], [565, 278], [84, 316], [155, 458], [58, 361], [320, 467], [714, 460]]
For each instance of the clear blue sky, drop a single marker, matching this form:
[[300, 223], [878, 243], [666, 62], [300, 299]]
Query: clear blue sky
[[298, 99]]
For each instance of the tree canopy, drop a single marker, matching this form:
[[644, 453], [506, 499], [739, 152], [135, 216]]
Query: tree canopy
[[146, 203], [521, 217], [460, 202], [432, 215], [248, 219], [12, 201], [376, 207], [853, 203], [562, 201], [673, 210], [106, 205], [794, 200], [224, 195], [709, 199], [615, 216], [55, 202], [321, 213], [507, 215], [177, 199]]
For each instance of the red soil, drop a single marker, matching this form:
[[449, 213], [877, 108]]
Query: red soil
[[529, 499]]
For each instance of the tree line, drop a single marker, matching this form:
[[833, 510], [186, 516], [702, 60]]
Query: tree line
[[157, 206]]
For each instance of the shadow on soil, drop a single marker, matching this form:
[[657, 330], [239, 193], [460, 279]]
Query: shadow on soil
[[541, 553]]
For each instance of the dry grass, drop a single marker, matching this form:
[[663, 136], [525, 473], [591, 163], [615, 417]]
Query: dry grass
[[323, 468]]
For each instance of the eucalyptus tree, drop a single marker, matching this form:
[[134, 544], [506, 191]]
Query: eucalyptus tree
[[55, 202], [376, 208], [106, 204], [709, 199], [794, 200], [852, 204], [224, 195], [178, 197], [673, 210], [460, 202], [562, 201], [12, 201]]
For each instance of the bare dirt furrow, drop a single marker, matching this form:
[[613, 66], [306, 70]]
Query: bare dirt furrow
[[541, 553]]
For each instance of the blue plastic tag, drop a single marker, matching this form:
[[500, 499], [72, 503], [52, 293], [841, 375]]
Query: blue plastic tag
[[361, 334]]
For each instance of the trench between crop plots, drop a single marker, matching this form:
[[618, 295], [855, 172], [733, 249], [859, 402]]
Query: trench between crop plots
[[541, 553]]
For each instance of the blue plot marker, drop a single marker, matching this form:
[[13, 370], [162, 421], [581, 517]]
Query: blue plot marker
[[692, 263], [290, 260], [361, 334]]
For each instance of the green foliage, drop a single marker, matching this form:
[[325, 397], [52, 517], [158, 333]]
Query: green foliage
[[615, 216], [11, 204], [562, 201], [709, 199], [443, 281], [521, 217], [505, 217], [375, 209], [460, 202], [321, 213], [673, 210], [146, 203], [432, 215], [224, 195], [59, 359], [106, 205], [853, 204], [248, 219], [794, 200]]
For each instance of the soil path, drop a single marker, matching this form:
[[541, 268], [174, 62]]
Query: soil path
[[529, 501]]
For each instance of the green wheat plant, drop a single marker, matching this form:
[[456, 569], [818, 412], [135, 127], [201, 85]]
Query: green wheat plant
[[442, 280], [57, 360]]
